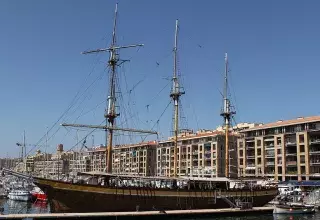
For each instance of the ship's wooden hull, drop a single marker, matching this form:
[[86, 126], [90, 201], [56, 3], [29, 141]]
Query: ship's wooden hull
[[67, 197]]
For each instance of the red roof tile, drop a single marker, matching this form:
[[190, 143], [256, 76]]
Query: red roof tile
[[285, 123]]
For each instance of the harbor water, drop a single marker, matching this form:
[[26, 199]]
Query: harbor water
[[21, 207]]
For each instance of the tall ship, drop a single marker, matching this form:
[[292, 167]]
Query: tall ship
[[115, 193]]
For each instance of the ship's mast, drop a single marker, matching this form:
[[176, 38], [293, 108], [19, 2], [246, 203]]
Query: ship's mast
[[226, 114], [175, 95], [24, 156], [110, 113]]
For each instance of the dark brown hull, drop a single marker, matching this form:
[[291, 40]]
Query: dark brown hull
[[66, 197]]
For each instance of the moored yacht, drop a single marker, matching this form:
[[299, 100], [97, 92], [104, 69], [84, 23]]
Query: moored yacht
[[19, 195]]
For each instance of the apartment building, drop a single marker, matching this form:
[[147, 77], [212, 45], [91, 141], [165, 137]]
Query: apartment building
[[97, 157], [284, 150], [138, 159], [9, 163], [47, 165], [78, 161], [61, 162], [200, 154], [238, 127]]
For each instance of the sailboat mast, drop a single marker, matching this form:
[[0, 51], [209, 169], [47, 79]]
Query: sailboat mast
[[24, 156], [226, 119], [175, 95], [110, 113], [226, 113]]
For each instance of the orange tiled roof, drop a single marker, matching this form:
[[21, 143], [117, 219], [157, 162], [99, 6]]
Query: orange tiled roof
[[137, 145], [285, 123], [195, 135]]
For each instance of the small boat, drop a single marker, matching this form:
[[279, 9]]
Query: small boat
[[19, 195], [293, 208], [38, 195]]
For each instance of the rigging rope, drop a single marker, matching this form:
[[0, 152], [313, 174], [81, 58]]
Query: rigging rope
[[73, 102], [36, 147], [158, 119]]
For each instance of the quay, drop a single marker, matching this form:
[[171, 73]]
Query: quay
[[146, 214]]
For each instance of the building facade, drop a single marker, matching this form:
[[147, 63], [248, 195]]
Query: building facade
[[138, 159], [200, 154], [61, 163], [97, 157], [284, 150], [9, 163]]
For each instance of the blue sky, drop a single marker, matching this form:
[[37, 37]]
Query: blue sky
[[272, 46]]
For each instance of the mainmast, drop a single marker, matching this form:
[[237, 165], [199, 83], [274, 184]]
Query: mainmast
[[175, 95], [110, 112], [226, 114]]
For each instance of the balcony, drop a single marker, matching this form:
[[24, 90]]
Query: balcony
[[268, 146], [270, 156], [314, 162], [250, 156], [291, 143], [292, 172], [270, 163], [314, 141], [291, 163], [290, 153], [314, 151], [269, 139], [249, 140]]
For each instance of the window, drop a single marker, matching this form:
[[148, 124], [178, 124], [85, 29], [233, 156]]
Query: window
[[278, 140], [301, 138], [301, 148], [241, 162], [259, 143], [302, 160], [279, 151], [241, 153], [213, 146], [259, 160], [259, 152], [312, 126]]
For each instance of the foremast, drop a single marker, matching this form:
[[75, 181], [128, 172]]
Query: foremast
[[175, 95], [226, 114], [110, 112]]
